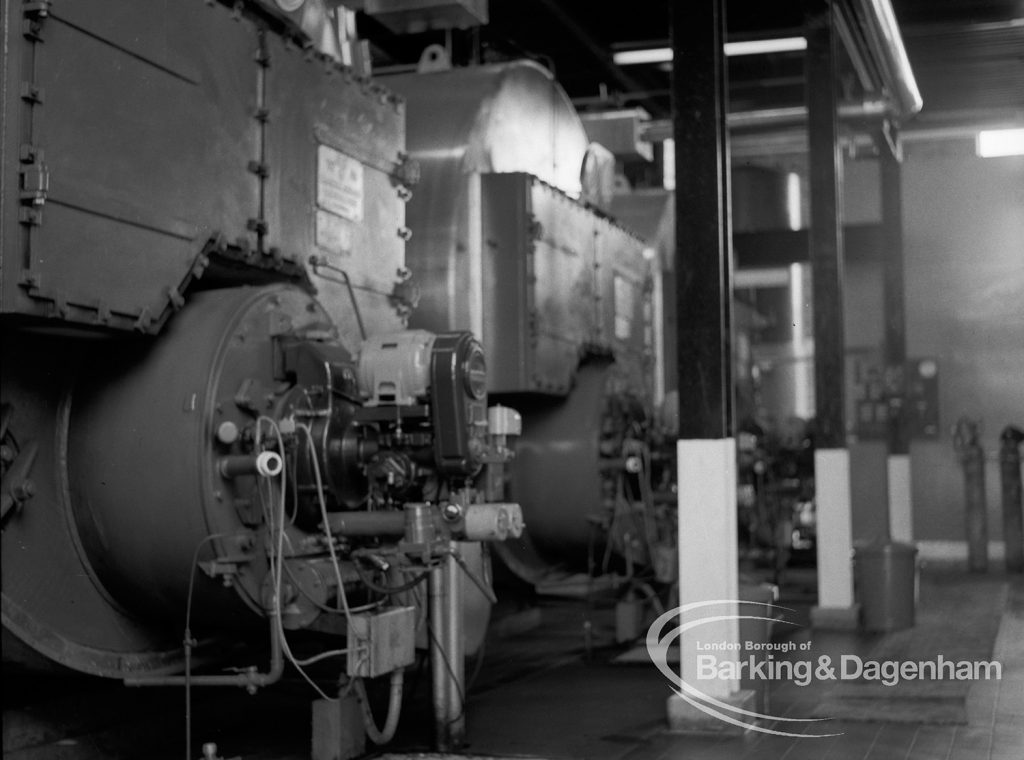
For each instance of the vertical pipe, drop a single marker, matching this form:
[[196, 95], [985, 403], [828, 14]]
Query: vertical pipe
[[893, 288], [1013, 520], [446, 653], [972, 458], [454, 645], [439, 674], [900, 520], [658, 328], [977, 509]]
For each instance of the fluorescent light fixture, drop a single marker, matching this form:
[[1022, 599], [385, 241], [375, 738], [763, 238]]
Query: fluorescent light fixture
[[794, 206], [994, 143], [646, 55], [668, 165], [761, 47], [748, 47]]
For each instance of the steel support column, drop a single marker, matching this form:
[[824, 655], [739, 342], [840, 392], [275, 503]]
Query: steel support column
[[832, 460], [895, 311], [826, 234], [895, 343], [703, 264], [703, 256]]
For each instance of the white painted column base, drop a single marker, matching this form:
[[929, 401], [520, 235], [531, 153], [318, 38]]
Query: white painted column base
[[708, 571], [684, 718], [836, 607], [901, 513]]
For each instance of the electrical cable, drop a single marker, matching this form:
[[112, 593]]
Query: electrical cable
[[478, 663], [323, 656], [277, 566], [488, 593], [342, 596], [320, 605], [451, 672], [386, 734]]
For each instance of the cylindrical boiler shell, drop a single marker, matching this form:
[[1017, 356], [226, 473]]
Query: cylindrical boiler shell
[[462, 123]]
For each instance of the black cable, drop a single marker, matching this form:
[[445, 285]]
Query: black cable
[[477, 664], [389, 590], [451, 672], [488, 593], [318, 604]]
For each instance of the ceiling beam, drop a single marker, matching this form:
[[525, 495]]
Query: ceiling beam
[[598, 50]]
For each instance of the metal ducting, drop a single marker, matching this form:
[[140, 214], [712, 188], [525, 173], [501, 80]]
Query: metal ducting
[[869, 26]]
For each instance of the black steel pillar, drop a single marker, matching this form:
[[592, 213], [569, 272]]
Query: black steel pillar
[[898, 434], [826, 234], [703, 256]]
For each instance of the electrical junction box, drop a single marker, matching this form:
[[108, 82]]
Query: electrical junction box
[[380, 642]]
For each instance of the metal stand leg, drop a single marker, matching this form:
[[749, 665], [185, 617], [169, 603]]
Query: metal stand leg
[[446, 653]]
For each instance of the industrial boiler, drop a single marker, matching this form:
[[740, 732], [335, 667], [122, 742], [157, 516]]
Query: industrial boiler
[[513, 240], [217, 427]]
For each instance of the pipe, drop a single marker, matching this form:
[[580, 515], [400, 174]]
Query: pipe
[[794, 115], [389, 523], [267, 464], [771, 119], [251, 679], [1013, 520], [447, 664], [885, 43], [972, 458]]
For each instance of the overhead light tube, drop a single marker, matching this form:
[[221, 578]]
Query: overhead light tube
[[763, 47], [746, 47], [996, 143]]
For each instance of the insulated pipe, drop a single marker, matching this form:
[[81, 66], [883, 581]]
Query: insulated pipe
[[1013, 521], [886, 44]]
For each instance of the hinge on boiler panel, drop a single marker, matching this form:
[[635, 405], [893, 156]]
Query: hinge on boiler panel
[[260, 169], [35, 184], [31, 93], [407, 171], [35, 12], [30, 154], [34, 181], [36, 8]]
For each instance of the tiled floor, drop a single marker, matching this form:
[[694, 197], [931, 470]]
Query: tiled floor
[[539, 695], [603, 711]]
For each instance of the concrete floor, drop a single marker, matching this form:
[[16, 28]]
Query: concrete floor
[[539, 694], [561, 706]]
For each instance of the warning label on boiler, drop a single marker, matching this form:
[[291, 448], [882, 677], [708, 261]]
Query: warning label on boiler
[[333, 233], [339, 184]]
